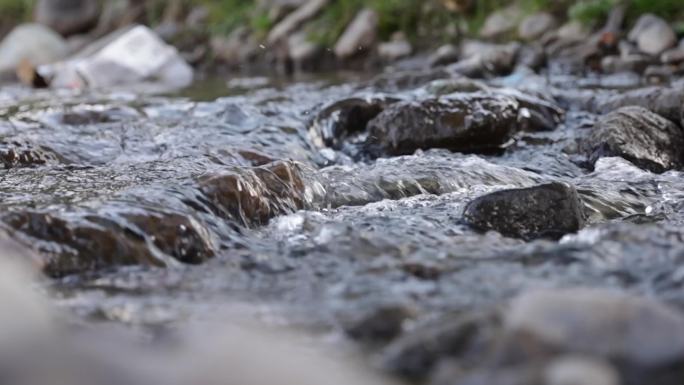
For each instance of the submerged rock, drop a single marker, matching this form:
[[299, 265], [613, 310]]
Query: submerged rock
[[638, 135], [637, 333], [342, 119], [474, 122], [253, 196], [550, 210]]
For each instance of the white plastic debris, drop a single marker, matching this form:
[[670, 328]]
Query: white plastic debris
[[129, 57]]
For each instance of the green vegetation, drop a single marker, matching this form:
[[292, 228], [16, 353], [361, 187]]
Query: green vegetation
[[418, 19], [15, 9]]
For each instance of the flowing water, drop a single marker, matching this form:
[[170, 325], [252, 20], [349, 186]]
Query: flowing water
[[153, 211]]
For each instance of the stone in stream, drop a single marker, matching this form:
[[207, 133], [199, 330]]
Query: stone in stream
[[90, 242], [254, 196], [68, 17], [344, 118], [476, 122], [18, 153], [664, 101], [549, 210], [644, 337], [638, 135], [653, 35]]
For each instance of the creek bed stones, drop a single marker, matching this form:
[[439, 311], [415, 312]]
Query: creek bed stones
[[550, 210], [468, 123], [638, 135]]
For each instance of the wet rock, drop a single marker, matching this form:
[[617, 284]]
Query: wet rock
[[664, 101], [179, 236], [535, 114], [536, 25], [359, 36], [68, 17], [341, 120], [464, 123], [501, 22], [81, 245], [638, 135], [551, 210], [637, 333], [23, 154], [653, 35], [33, 43], [253, 196], [295, 19]]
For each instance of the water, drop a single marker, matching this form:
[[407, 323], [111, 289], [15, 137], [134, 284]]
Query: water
[[157, 211]]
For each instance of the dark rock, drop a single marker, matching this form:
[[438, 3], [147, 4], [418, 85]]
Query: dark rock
[[68, 17], [550, 210], [23, 154], [638, 135], [467, 123], [92, 241], [341, 120]]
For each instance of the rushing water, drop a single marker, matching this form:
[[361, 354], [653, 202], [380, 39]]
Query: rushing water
[[153, 211]]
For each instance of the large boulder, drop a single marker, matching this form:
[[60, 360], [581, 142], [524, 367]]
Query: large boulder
[[475, 122], [644, 138], [653, 35], [33, 43], [68, 17], [550, 210], [664, 101]]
